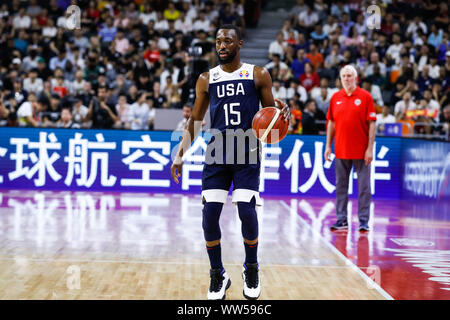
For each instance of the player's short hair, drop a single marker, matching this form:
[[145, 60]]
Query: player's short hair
[[231, 26]]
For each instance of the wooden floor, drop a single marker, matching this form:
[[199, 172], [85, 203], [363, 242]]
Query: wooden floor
[[139, 246]]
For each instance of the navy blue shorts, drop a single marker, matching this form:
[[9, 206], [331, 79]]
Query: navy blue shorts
[[217, 180]]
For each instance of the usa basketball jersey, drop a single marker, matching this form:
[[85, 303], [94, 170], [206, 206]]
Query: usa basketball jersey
[[234, 101]]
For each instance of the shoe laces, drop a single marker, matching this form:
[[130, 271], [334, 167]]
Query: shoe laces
[[216, 280], [251, 275]]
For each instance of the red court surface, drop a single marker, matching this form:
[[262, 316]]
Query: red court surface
[[407, 251]]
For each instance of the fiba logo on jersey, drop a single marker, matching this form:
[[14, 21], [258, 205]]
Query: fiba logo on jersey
[[244, 73]]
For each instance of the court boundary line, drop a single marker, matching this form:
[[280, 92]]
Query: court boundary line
[[4, 258], [347, 261]]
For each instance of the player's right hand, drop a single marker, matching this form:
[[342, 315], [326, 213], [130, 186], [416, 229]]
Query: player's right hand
[[327, 154], [175, 170]]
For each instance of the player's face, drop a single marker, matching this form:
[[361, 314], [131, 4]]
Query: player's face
[[227, 45]]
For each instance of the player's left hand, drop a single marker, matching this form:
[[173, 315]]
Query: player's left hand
[[284, 109], [368, 156], [175, 170]]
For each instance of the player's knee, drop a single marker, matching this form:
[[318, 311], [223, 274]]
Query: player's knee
[[249, 219], [210, 223]]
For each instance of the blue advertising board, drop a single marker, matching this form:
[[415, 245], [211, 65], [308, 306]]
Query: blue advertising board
[[139, 161]]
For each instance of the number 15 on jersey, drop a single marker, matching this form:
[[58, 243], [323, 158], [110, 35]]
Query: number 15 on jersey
[[229, 111]]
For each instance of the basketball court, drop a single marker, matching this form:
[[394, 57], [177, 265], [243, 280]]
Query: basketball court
[[94, 245]]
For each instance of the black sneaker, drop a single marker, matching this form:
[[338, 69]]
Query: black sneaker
[[364, 226], [340, 225], [252, 286], [219, 284]]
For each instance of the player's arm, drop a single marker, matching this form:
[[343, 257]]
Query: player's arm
[[193, 125], [263, 82]]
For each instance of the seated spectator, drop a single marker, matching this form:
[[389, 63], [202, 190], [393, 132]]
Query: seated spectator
[[21, 20], [58, 61], [187, 110], [183, 23], [444, 121], [435, 37], [404, 105], [309, 117], [66, 119], [295, 122], [310, 79], [315, 57], [278, 46], [278, 90], [60, 88], [201, 23], [374, 90], [79, 113], [227, 16], [159, 100], [307, 19], [433, 67], [107, 32], [28, 112], [32, 83], [276, 62], [323, 100], [424, 81], [296, 89], [431, 105], [100, 112], [384, 117], [171, 13], [298, 65], [375, 60], [140, 113], [318, 35]]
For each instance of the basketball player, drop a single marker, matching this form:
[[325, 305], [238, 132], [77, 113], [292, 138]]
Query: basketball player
[[233, 90]]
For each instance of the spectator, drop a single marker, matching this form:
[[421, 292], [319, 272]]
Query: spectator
[[296, 89], [33, 83], [100, 112], [374, 90], [140, 113], [307, 19], [278, 90], [22, 20], [384, 117], [375, 60], [107, 32], [28, 112], [309, 79], [323, 100], [79, 113], [187, 110], [277, 46], [298, 65], [404, 105], [309, 117], [315, 57], [66, 119], [58, 61], [435, 37]]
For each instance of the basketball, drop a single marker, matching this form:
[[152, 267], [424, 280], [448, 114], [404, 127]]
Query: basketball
[[269, 125]]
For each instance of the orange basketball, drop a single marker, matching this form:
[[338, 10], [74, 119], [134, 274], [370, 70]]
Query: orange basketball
[[269, 125]]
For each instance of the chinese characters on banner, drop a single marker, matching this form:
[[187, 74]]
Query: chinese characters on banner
[[118, 161]]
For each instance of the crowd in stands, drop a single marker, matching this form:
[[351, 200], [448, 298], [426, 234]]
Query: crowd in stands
[[123, 60], [130, 58], [403, 61]]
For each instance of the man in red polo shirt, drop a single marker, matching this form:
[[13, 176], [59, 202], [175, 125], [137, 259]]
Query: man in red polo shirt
[[351, 121]]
